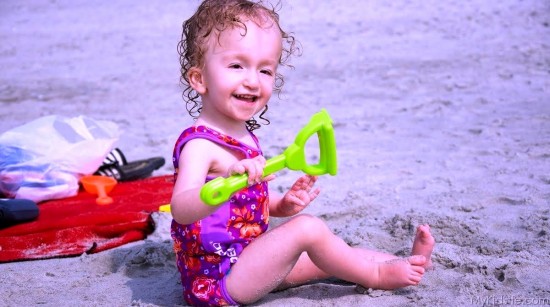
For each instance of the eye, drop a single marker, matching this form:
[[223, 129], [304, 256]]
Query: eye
[[235, 66], [267, 72]]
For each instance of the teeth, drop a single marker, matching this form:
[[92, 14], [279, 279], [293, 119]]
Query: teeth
[[246, 97]]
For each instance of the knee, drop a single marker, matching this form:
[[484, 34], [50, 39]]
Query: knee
[[311, 226]]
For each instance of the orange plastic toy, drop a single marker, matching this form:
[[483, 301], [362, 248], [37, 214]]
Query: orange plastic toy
[[99, 185]]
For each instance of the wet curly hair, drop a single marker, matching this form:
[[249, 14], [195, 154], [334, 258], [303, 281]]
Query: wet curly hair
[[213, 17]]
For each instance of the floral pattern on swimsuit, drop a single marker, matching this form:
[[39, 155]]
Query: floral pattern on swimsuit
[[207, 249]]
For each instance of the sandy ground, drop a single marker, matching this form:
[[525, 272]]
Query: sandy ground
[[442, 116]]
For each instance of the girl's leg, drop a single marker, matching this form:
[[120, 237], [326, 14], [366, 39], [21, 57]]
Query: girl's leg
[[306, 271], [267, 261]]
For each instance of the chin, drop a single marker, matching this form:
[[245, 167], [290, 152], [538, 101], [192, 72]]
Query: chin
[[249, 115]]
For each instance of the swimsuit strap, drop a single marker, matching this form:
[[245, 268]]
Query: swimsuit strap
[[216, 137]]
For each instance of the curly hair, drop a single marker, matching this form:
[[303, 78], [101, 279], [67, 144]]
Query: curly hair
[[213, 17]]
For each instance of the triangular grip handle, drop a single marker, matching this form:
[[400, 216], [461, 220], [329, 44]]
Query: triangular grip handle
[[320, 124]]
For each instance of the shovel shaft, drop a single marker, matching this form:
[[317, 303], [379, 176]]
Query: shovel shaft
[[274, 164], [220, 189]]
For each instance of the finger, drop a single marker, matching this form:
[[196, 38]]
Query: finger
[[312, 179], [251, 172], [269, 178], [255, 171], [260, 169], [314, 194], [237, 169], [295, 200], [261, 160], [301, 183], [309, 181]]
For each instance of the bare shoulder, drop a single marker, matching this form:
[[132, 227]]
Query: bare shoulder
[[198, 150], [204, 153], [200, 144]]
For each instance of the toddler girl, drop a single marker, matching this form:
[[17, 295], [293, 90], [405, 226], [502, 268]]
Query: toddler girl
[[230, 52]]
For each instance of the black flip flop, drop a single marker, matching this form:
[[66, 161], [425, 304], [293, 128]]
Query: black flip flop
[[115, 156], [116, 166], [14, 211]]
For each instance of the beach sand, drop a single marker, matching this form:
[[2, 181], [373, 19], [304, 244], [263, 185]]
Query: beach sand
[[441, 112]]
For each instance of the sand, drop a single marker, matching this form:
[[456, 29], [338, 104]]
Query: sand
[[441, 111]]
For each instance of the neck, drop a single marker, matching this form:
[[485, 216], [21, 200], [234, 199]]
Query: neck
[[231, 129]]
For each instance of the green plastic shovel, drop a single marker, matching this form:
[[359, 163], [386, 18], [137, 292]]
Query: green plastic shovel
[[220, 189]]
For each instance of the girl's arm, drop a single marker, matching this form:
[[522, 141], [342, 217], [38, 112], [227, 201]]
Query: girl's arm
[[300, 195], [199, 158]]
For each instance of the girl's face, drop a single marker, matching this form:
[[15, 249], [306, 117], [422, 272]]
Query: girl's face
[[237, 78]]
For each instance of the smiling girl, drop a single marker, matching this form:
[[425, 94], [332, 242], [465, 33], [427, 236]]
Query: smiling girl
[[230, 52]]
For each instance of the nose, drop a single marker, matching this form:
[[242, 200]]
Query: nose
[[251, 80]]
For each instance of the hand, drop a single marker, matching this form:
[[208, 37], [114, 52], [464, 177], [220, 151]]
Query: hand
[[254, 168], [300, 195]]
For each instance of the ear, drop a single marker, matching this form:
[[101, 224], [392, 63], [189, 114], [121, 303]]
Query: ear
[[196, 80]]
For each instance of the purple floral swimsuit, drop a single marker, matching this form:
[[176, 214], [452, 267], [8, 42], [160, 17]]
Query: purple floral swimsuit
[[206, 249]]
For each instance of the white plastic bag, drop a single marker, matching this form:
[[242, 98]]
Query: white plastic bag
[[44, 159]]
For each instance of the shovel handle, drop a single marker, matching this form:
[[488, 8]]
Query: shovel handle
[[220, 189]]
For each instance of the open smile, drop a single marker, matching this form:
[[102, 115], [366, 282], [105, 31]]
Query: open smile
[[247, 98]]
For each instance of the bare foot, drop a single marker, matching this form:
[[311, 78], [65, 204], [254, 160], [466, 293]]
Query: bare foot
[[401, 272], [424, 244]]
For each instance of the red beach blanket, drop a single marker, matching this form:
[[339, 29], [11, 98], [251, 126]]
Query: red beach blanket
[[76, 225]]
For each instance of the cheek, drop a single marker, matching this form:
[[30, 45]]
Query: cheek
[[268, 91], [268, 84]]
